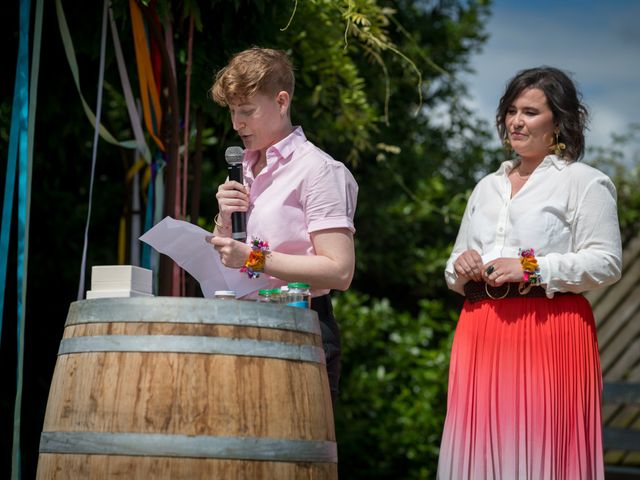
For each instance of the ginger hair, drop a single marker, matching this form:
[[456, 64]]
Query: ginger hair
[[256, 70]]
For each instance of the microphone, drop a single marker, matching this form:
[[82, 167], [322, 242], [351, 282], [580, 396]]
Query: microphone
[[233, 156]]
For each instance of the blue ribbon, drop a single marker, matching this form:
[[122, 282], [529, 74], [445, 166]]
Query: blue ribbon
[[145, 260], [17, 162], [17, 146]]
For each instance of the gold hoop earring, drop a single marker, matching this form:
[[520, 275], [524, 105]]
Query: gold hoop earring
[[507, 144], [558, 147]]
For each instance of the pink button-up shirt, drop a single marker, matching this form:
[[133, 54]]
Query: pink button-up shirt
[[300, 191]]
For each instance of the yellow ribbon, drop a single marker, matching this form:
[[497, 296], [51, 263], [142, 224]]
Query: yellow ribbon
[[148, 89]]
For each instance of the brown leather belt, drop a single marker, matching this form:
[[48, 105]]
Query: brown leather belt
[[476, 291]]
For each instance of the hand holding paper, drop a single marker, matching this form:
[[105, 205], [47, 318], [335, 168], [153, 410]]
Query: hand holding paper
[[231, 252], [188, 246]]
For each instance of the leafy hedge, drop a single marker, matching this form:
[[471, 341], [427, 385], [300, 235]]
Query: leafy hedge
[[392, 402]]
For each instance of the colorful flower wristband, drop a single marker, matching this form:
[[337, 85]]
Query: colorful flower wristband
[[255, 263], [530, 270]]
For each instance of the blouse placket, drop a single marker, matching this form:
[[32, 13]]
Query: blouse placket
[[503, 216]]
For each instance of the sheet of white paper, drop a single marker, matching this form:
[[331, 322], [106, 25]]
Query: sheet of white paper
[[187, 245]]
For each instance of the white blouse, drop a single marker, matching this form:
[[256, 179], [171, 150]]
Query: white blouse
[[566, 212]]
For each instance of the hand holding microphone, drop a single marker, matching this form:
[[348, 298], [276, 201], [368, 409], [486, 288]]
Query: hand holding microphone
[[232, 196]]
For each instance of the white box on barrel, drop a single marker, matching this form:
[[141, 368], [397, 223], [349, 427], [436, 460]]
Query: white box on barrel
[[120, 281]]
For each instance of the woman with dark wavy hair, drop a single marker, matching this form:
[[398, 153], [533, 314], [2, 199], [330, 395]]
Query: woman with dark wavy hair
[[525, 382]]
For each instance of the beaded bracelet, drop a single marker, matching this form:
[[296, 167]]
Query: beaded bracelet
[[255, 263], [530, 270]]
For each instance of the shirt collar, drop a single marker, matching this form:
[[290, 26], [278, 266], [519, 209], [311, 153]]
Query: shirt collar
[[278, 151], [285, 147], [548, 161], [558, 162]]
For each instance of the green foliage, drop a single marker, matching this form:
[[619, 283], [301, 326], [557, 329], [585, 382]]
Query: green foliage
[[624, 170], [628, 186], [330, 91], [390, 413]]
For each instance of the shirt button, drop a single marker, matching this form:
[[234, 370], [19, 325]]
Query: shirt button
[[500, 229]]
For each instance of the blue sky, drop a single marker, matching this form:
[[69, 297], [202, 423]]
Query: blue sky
[[597, 42]]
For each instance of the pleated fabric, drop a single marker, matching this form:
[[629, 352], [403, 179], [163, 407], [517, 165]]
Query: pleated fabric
[[525, 390]]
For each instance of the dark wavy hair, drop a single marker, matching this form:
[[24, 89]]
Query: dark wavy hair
[[569, 114]]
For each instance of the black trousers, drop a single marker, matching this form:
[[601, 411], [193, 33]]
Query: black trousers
[[330, 341]]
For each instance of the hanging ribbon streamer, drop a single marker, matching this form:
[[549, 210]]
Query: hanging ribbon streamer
[[94, 153], [145, 260], [134, 118], [177, 274], [73, 64], [148, 89], [158, 213], [152, 114], [136, 124], [24, 215], [140, 143], [19, 161], [154, 48], [162, 51], [153, 214], [18, 141], [131, 177]]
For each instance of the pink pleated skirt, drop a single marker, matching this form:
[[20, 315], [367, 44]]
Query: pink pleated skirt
[[525, 390]]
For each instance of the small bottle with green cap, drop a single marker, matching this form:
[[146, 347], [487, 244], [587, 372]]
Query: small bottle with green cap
[[275, 295], [284, 294], [299, 295], [265, 296]]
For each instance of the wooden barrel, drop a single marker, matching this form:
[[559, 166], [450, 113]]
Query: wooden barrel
[[183, 388]]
